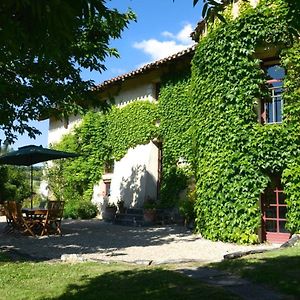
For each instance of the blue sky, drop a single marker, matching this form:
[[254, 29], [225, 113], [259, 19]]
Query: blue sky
[[162, 28]]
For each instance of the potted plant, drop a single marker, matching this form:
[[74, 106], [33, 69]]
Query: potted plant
[[149, 210], [121, 207], [187, 210], [110, 212]]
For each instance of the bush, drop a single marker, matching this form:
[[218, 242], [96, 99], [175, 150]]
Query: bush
[[14, 183], [186, 205], [80, 210]]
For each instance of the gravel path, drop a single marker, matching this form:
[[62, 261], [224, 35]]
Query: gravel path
[[97, 240]]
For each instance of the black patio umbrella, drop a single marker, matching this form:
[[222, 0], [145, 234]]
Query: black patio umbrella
[[30, 155]]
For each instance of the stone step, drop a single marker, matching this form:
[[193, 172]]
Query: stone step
[[129, 219], [134, 211]]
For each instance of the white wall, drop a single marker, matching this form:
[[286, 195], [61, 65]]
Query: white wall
[[134, 179], [140, 92], [145, 91], [135, 176], [57, 129]]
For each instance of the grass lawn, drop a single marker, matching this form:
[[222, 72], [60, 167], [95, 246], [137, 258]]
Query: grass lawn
[[24, 280], [278, 269]]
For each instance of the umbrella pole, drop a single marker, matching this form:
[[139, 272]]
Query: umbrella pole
[[31, 185]]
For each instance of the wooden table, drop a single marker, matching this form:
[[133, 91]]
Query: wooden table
[[35, 212], [37, 215]]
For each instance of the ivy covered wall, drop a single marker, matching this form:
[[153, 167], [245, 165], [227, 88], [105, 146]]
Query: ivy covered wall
[[235, 155], [100, 137], [175, 124]]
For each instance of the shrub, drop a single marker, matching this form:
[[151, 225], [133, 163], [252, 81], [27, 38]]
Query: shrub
[[80, 210]]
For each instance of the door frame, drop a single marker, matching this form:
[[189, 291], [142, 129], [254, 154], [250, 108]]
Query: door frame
[[273, 236]]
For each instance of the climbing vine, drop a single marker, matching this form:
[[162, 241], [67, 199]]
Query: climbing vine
[[236, 156], [131, 125], [291, 175], [175, 125], [73, 180]]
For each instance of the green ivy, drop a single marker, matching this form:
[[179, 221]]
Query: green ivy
[[235, 154], [175, 125], [131, 125], [291, 175], [99, 138]]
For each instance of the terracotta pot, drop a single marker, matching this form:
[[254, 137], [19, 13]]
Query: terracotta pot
[[110, 213], [149, 215]]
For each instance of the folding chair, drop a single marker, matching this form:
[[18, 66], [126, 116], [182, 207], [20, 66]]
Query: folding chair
[[9, 218], [52, 222], [16, 220]]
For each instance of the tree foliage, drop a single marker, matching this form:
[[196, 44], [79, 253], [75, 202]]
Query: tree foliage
[[44, 46], [14, 183]]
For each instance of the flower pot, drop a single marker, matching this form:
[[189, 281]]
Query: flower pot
[[109, 213], [150, 215]]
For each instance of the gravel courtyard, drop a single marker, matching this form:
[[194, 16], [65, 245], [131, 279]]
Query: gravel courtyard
[[97, 240]]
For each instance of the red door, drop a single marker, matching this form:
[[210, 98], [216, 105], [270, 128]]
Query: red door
[[274, 211]]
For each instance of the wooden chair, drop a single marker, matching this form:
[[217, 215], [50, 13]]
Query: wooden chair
[[15, 219], [9, 218], [52, 222]]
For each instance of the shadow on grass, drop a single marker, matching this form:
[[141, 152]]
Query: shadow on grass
[[279, 269], [14, 256], [142, 284]]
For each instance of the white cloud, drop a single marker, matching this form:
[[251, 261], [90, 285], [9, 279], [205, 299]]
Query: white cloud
[[157, 49], [184, 35], [168, 34]]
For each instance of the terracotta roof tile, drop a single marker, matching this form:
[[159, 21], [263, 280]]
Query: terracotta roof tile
[[145, 68]]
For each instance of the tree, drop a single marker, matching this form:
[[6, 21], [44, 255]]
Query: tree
[[44, 46], [214, 7], [14, 183]]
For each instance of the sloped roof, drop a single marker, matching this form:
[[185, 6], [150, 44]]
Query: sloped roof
[[147, 67]]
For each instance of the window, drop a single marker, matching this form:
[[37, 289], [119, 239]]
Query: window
[[107, 187], [271, 108]]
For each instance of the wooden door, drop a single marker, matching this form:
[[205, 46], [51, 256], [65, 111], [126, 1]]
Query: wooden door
[[274, 211]]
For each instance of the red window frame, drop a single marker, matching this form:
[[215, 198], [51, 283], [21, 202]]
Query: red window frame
[[107, 184]]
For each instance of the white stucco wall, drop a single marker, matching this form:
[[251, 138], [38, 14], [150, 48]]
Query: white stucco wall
[[135, 176], [145, 91], [140, 92], [57, 129], [133, 181]]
